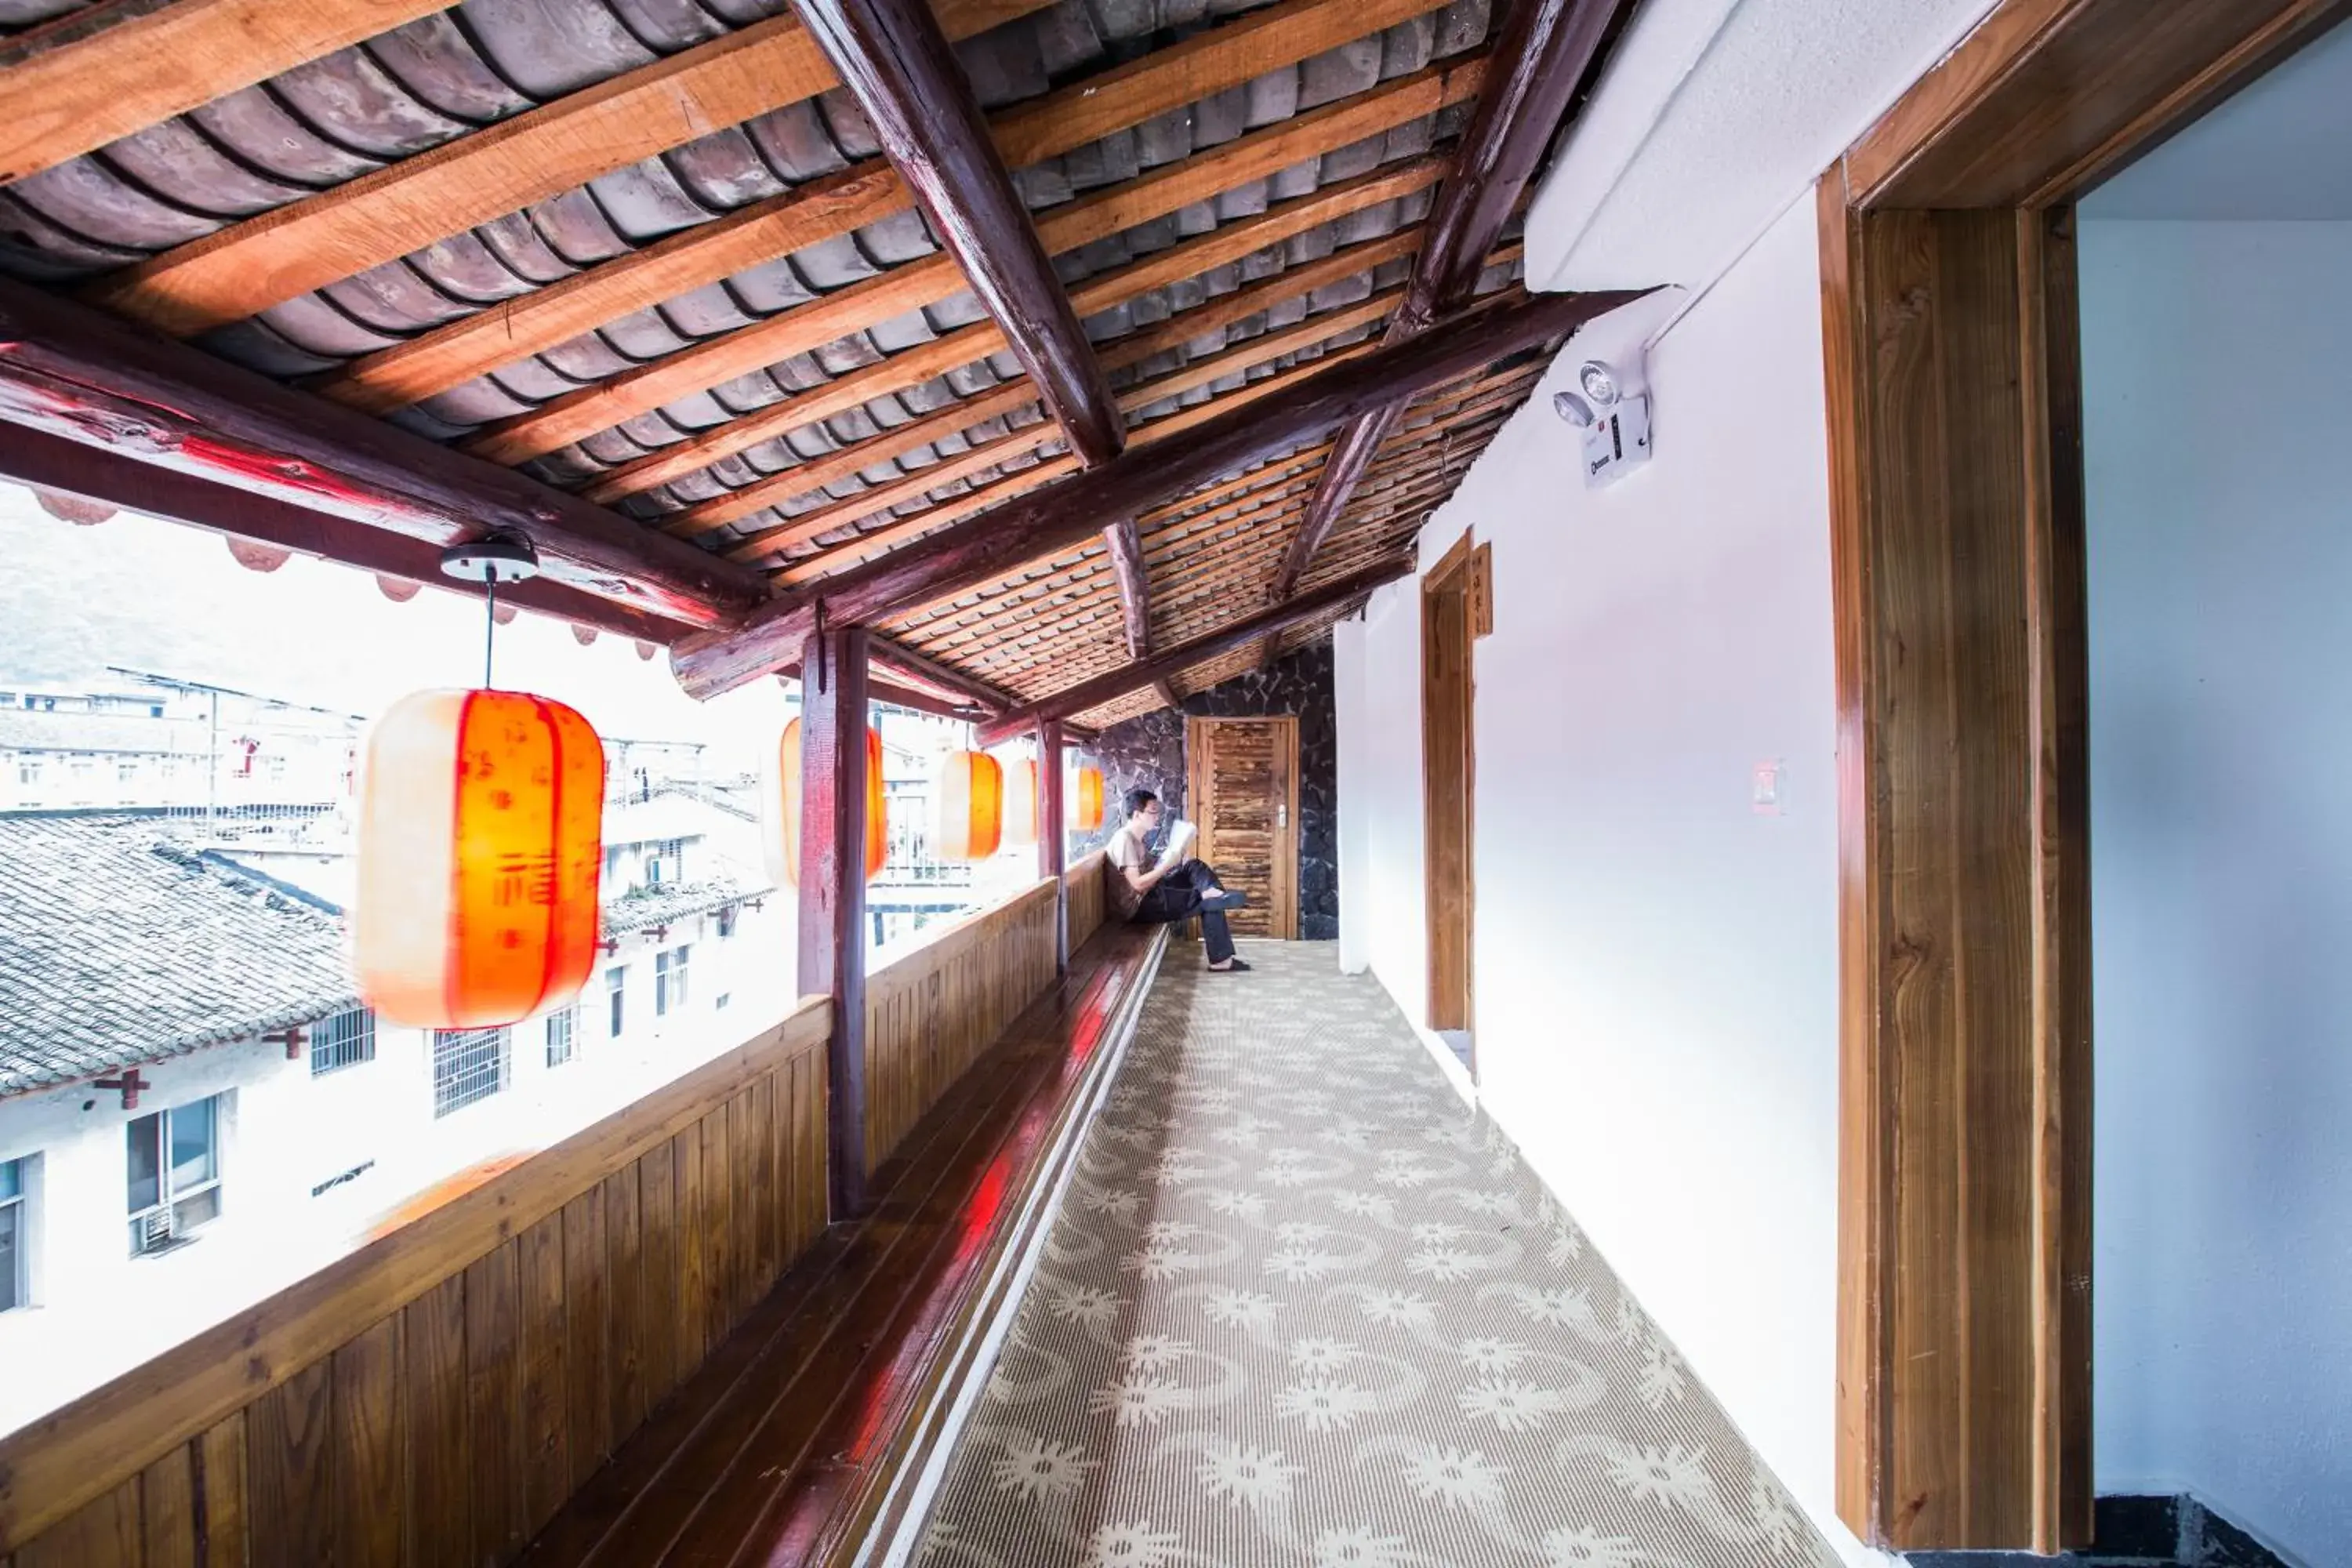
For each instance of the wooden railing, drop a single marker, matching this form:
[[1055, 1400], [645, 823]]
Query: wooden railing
[[933, 1006], [432, 1398], [1089, 897]]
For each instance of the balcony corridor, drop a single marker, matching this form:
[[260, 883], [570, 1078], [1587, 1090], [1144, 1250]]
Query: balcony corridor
[[1302, 1306]]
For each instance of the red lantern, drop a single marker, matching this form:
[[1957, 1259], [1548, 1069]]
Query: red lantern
[[1085, 812], [969, 797], [784, 821], [1020, 803], [481, 822]]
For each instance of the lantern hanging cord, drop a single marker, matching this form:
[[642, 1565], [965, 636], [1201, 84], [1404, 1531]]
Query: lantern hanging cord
[[489, 625]]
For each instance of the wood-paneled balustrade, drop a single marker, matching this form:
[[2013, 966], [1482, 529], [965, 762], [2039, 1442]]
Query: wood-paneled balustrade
[[433, 1398]]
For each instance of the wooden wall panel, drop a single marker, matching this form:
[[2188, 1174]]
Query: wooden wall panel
[[933, 1008], [1955, 469], [1089, 897], [431, 1399]]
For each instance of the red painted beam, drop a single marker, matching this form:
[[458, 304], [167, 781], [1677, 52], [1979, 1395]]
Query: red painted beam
[[60, 467], [896, 62], [71, 372], [833, 889], [1546, 49], [990, 545], [1224, 639]]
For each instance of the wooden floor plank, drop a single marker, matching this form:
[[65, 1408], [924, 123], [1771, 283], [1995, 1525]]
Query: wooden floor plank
[[746, 1447]]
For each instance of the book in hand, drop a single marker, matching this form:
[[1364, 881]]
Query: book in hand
[[1180, 836]]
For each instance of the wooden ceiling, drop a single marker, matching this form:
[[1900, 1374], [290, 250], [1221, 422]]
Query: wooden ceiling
[[944, 319]]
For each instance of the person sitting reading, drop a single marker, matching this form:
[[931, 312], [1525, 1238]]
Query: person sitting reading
[[1172, 890]]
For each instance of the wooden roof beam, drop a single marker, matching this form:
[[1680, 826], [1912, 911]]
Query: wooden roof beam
[[913, 663], [917, 365], [53, 464], [897, 64], [1068, 118], [984, 548], [1133, 677], [387, 213], [71, 372], [1249, 353], [98, 74], [904, 697], [1545, 50], [1125, 549]]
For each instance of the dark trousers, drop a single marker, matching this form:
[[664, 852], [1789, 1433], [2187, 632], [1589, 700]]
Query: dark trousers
[[1177, 897]]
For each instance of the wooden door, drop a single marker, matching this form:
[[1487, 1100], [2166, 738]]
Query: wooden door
[[1243, 783], [1448, 773]]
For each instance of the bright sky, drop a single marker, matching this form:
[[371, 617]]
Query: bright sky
[[159, 596]]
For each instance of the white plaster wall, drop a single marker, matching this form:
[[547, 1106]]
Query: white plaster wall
[[1657, 962], [2221, 689]]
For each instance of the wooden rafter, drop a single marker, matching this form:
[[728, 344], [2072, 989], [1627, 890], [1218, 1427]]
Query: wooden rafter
[[898, 372], [977, 550], [452, 354], [897, 64], [1547, 48], [866, 546], [59, 467], [1243, 357], [104, 71], [1176, 660], [404, 207], [68, 370], [1125, 549]]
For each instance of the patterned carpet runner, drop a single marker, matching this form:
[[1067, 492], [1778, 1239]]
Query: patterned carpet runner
[[1302, 1306]]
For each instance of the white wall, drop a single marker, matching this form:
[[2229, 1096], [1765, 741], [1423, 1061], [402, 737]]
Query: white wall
[[2217, 407], [1657, 962]]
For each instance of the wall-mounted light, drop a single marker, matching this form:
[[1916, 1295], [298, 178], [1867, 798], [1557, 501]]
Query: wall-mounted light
[[1573, 409], [1599, 383]]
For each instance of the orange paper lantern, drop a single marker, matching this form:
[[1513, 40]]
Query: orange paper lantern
[[784, 821], [1085, 812], [481, 823], [968, 798], [1020, 803]]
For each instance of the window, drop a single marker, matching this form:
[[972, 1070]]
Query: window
[[344, 1040], [669, 980], [613, 863], [15, 1290], [562, 1036], [666, 863], [126, 772], [28, 770], [467, 1065], [727, 921], [175, 1169], [615, 978]]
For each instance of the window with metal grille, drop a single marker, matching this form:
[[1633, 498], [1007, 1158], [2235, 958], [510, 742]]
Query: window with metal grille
[[562, 1036], [615, 982], [344, 1040], [174, 1174], [469, 1065], [669, 980], [15, 1290]]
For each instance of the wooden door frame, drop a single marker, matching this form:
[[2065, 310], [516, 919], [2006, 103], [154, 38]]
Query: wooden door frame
[[1451, 575], [1284, 876], [1952, 357]]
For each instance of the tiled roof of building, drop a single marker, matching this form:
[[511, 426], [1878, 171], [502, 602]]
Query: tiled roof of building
[[674, 902], [119, 946]]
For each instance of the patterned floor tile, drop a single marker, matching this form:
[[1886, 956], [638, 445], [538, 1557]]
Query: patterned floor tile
[[1302, 1306]]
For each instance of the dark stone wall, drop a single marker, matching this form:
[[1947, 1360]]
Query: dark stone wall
[[1150, 752]]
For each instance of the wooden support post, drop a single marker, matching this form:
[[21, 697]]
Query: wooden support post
[[832, 888], [1053, 834]]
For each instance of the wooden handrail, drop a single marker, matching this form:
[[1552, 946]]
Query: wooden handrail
[[313, 1340]]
